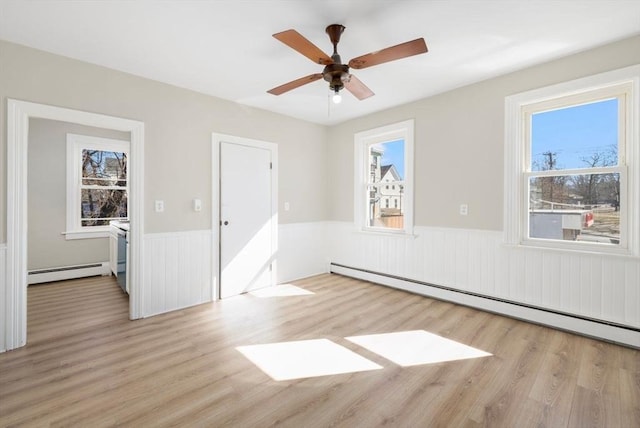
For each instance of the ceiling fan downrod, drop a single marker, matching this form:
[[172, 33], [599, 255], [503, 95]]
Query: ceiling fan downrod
[[337, 73]]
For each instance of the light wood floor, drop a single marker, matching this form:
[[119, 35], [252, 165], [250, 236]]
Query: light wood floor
[[87, 365]]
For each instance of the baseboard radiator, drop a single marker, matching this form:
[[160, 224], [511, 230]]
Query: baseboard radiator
[[599, 329], [39, 276]]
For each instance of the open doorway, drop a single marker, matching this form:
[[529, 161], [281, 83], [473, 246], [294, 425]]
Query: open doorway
[[78, 184], [19, 115]]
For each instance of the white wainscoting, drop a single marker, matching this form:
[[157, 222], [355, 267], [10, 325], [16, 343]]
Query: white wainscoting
[[301, 250], [178, 266], [3, 294], [177, 271], [605, 288]]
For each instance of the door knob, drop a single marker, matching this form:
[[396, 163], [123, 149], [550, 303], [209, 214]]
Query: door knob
[[226, 222]]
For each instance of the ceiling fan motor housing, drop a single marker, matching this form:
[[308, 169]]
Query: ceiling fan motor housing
[[336, 74]]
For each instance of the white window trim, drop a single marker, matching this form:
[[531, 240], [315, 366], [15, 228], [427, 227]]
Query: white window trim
[[516, 155], [362, 140], [75, 144]]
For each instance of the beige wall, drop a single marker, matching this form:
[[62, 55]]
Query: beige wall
[[458, 154], [47, 204], [459, 138], [178, 127]]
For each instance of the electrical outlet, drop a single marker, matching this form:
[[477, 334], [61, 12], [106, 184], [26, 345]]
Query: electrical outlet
[[159, 205], [287, 207], [464, 209]]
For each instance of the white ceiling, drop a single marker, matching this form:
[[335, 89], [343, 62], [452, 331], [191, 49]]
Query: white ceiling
[[224, 48]]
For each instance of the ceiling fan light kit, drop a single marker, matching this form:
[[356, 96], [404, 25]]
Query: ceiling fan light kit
[[335, 72], [337, 98]]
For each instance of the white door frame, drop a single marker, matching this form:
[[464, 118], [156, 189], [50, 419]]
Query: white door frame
[[18, 115], [216, 139]]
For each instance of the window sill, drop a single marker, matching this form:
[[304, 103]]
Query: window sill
[[382, 232], [71, 235], [575, 249]]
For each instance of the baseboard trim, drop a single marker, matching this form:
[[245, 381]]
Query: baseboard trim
[[62, 273], [602, 330]]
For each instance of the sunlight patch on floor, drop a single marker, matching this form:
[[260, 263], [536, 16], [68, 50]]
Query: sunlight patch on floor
[[411, 348], [305, 358], [282, 290]]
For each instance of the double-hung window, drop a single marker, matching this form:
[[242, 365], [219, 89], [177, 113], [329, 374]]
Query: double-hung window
[[384, 178], [571, 173], [97, 184]]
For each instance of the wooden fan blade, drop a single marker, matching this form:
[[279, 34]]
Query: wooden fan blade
[[295, 84], [403, 50], [298, 42], [357, 88]]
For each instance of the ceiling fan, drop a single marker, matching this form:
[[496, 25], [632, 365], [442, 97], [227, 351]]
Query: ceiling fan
[[335, 72]]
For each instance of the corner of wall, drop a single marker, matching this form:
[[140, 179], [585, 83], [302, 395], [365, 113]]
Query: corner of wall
[[3, 293]]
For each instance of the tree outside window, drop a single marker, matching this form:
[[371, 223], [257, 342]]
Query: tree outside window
[[97, 185], [103, 188]]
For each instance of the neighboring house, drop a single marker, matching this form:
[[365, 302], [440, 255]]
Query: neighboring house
[[385, 199], [391, 194], [375, 158]]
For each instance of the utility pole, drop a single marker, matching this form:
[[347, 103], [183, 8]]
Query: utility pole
[[550, 163]]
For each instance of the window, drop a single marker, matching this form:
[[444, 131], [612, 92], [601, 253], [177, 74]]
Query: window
[[384, 155], [97, 185], [571, 176]]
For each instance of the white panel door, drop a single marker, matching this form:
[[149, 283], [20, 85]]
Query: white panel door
[[246, 229]]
